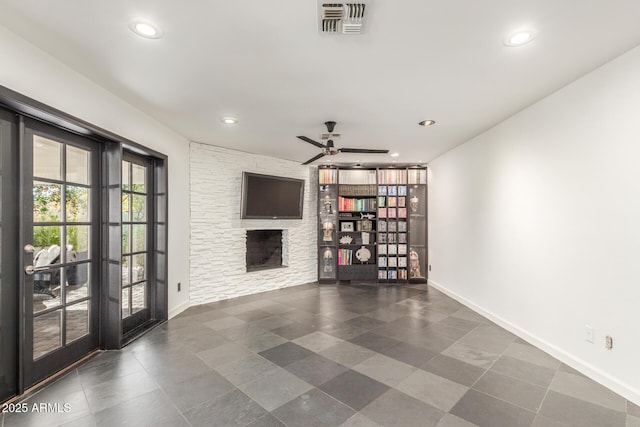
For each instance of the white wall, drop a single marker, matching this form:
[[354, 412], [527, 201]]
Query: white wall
[[32, 72], [536, 223], [218, 235]]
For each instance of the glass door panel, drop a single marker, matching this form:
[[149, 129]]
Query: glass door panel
[[136, 185], [61, 258]]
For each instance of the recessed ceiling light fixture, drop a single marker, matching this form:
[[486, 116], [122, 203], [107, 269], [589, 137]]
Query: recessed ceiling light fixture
[[145, 29], [229, 121], [520, 38], [395, 154], [426, 123]]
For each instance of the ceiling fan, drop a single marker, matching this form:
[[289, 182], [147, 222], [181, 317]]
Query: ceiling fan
[[329, 149]]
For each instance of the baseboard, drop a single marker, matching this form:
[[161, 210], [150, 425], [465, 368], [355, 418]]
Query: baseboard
[[179, 309], [625, 390]]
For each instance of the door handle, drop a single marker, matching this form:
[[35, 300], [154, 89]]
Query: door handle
[[30, 269], [29, 249]]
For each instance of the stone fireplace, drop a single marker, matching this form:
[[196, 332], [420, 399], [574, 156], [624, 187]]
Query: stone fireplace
[[264, 249]]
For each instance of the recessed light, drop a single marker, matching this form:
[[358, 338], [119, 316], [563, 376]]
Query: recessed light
[[426, 123], [520, 38], [229, 120], [145, 29], [395, 154]]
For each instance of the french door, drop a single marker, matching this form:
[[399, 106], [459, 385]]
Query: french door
[[60, 249], [138, 278]]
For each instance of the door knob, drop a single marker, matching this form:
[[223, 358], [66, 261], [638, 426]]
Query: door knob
[[30, 269]]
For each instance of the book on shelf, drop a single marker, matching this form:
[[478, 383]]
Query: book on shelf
[[402, 226], [357, 190], [392, 274], [417, 176], [382, 238], [402, 261], [345, 256], [402, 190], [357, 176], [382, 226], [382, 274], [392, 201], [391, 212], [392, 249], [402, 238], [402, 249], [328, 176], [402, 201], [382, 212], [402, 274], [402, 212], [392, 226], [392, 190], [365, 238], [382, 201], [382, 190], [382, 249], [392, 176], [382, 261], [356, 205], [392, 261], [391, 238]]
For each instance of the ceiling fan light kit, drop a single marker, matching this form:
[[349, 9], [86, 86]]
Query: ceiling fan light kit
[[329, 149]]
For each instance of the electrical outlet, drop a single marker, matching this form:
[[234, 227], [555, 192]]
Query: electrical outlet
[[588, 333], [179, 286], [608, 342]]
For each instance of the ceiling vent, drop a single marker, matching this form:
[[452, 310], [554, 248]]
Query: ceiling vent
[[342, 18]]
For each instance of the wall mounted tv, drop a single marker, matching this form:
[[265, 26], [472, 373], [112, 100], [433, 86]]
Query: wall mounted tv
[[271, 197]]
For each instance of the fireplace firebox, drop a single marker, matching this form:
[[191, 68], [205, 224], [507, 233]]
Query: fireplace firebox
[[264, 249]]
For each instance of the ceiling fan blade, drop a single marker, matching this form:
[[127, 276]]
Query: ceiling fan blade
[[311, 141], [361, 150], [313, 159]]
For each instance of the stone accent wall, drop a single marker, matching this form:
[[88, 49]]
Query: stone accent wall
[[218, 235]]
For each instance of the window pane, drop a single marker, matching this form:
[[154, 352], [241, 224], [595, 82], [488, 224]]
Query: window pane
[[47, 157], [126, 297], [139, 241], [77, 165], [126, 166], [77, 320], [138, 297], [126, 275], [46, 289], [126, 242], [77, 204], [78, 279], [78, 240], [138, 208], [46, 333], [46, 202], [45, 236], [138, 178], [126, 207], [138, 269]]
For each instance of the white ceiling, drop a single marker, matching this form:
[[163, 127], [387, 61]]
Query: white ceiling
[[266, 64]]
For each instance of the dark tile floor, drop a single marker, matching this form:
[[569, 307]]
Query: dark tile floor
[[330, 356]]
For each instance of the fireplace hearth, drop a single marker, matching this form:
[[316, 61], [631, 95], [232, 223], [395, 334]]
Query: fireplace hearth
[[264, 249]]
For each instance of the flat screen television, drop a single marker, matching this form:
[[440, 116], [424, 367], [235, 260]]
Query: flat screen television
[[271, 197]]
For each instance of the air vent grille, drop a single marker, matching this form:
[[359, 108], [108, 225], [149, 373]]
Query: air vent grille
[[332, 11], [330, 25], [342, 18], [354, 10]]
